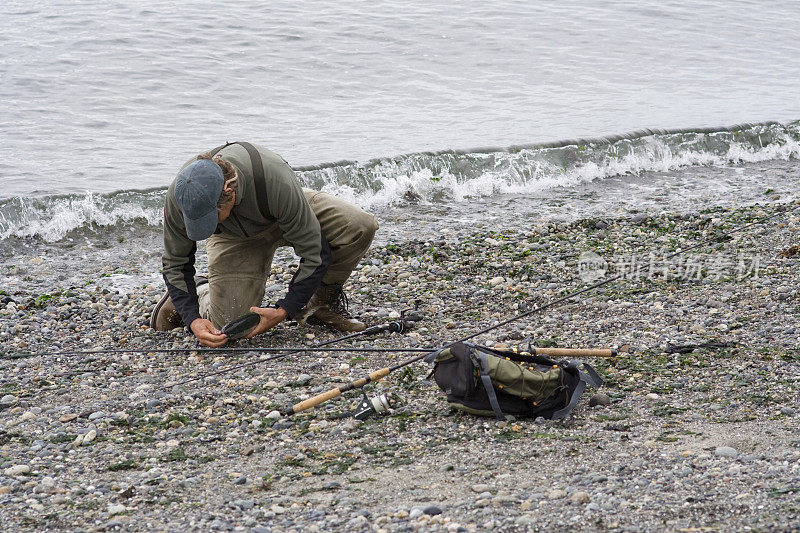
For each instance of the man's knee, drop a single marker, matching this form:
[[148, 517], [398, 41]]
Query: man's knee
[[364, 227], [231, 298], [219, 315]]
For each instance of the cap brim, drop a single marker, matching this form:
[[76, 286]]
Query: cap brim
[[203, 227]]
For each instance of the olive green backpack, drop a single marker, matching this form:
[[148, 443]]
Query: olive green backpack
[[488, 382]]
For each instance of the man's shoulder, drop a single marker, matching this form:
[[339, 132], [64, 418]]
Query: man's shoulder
[[274, 165], [270, 158]]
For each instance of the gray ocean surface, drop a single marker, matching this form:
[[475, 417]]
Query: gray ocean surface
[[102, 102]]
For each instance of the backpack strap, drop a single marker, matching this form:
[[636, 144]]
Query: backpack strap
[[259, 179], [481, 361], [576, 396], [590, 377]]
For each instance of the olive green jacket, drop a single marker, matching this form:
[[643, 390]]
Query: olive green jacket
[[290, 216]]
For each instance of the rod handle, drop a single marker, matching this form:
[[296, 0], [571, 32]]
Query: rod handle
[[312, 402], [334, 393], [379, 374], [576, 352]]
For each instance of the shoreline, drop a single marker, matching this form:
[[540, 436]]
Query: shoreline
[[212, 455]]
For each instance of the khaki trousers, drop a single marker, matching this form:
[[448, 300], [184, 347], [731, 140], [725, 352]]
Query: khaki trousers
[[238, 267]]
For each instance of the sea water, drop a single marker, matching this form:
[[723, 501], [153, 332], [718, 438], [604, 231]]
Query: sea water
[[438, 104]]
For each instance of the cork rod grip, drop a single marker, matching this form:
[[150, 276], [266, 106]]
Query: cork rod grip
[[311, 402], [378, 374], [333, 393], [576, 352]]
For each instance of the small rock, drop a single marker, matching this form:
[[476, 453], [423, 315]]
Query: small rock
[[245, 505], [556, 494], [432, 510], [726, 451], [357, 523], [241, 480], [17, 470], [116, 508], [580, 497], [599, 399], [68, 417], [652, 396], [494, 282], [25, 417], [277, 509], [274, 415], [89, 437]]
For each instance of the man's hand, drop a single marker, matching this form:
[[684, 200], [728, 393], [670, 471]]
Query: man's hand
[[207, 334], [269, 318]]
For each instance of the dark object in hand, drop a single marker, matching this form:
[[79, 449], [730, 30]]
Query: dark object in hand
[[239, 327]]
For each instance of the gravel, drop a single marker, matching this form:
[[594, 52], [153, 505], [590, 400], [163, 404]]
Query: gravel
[[705, 440]]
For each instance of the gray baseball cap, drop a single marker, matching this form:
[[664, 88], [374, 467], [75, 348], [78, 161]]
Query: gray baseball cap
[[197, 190]]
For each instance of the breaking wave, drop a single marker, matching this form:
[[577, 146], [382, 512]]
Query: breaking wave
[[450, 175]]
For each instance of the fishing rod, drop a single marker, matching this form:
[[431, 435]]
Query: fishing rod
[[216, 350], [537, 351], [405, 323], [379, 374], [383, 372]]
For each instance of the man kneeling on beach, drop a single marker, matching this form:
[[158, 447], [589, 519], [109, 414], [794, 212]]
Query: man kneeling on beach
[[246, 201]]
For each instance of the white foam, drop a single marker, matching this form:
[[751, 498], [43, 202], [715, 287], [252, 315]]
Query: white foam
[[54, 218], [650, 154], [394, 181]]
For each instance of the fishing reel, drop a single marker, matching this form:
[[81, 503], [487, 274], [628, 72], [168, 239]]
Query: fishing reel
[[408, 317], [371, 406]]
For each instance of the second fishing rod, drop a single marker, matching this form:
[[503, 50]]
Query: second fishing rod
[[381, 373]]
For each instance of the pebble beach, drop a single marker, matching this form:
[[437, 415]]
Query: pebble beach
[[706, 440]]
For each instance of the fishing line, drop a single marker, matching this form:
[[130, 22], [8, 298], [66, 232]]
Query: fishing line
[[606, 281], [405, 322], [214, 350], [397, 326]]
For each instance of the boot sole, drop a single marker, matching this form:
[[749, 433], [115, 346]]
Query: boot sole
[[157, 310]]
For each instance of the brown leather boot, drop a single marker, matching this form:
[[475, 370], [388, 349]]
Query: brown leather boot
[[328, 307], [165, 316]]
